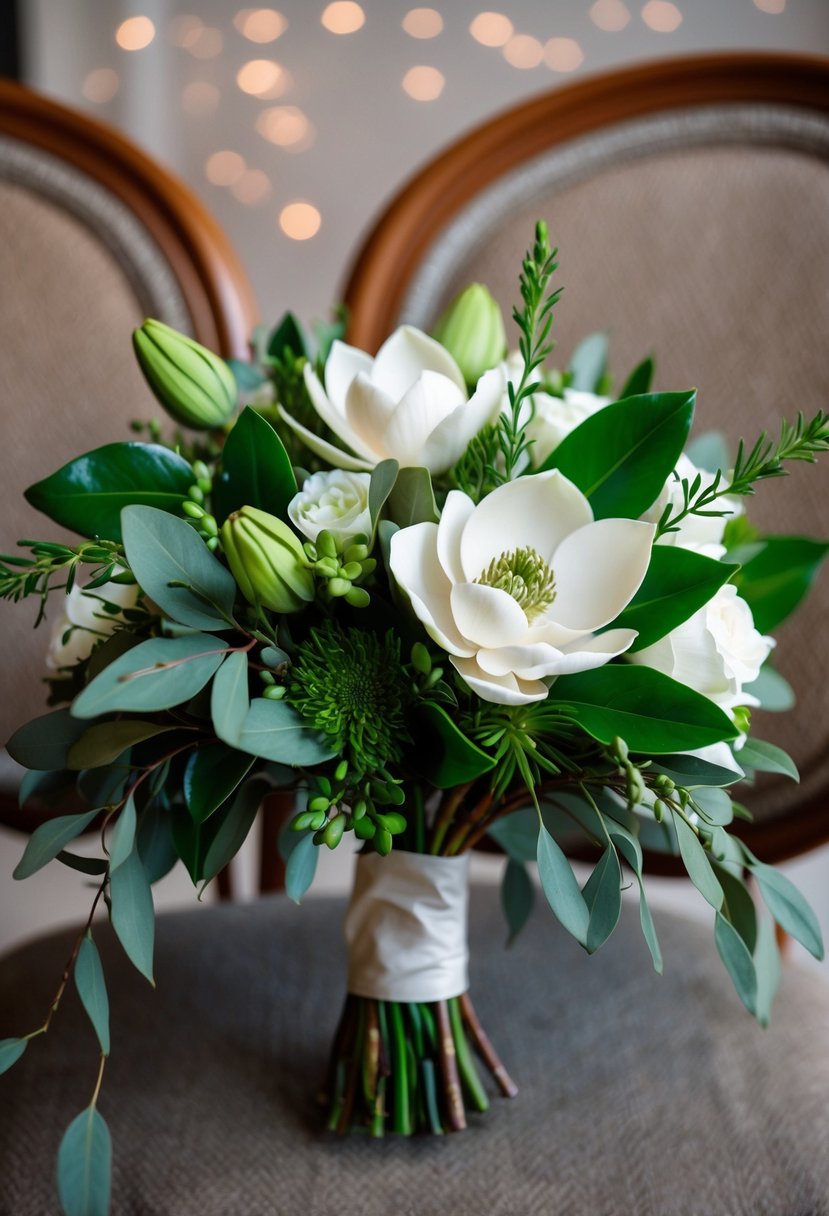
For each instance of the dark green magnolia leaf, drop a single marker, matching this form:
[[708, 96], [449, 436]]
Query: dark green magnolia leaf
[[650, 711], [442, 753], [559, 885], [229, 701], [692, 771], [275, 731], [122, 840], [774, 693], [737, 960], [383, 478], [91, 986], [158, 674], [211, 776], [678, 583], [517, 834], [517, 897], [788, 907], [192, 840], [603, 895], [709, 452], [48, 840], [132, 913], [255, 470], [85, 1166], [88, 494], [621, 456], [45, 743], [301, 867], [154, 841], [766, 967], [288, 335], [99, 745], [10, 1052], [588, 363], [234, 828], [765, 757], [696, 862], [775, 581], [412, 501], [177, 570], [640, 379], [94, 866], [715, 805]]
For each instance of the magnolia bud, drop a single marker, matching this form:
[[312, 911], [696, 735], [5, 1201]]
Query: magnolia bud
[[196, 387], [267, 561], [472, 330]]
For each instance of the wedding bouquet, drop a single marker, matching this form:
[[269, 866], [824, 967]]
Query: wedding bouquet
[[442, 595]]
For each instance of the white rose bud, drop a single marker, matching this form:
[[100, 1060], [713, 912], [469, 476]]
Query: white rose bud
[[84, 622], [335, 501]]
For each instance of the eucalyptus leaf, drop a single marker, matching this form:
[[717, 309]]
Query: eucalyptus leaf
[[767, 758], [154, 841], [255, 470], [88, 494], [95, 867], [631, 850], [696, 862], [788, 907], [517, 834], [715, 805], [559, 885], [229, 702], [588, 363], [177, 570], [775, 581], [412, 500], [45, 742], [91, 986], [132, 913], [47, 840], [766, 967], [85, 1166], [158, 674], [738, 907], [274, 730], [774, 693], [517, 897], [122, 841], [212, 774], [248, 377], [301, 867], [692, 771], [383, 478], [677, 584], [10, 1052], [442, 753], [603, 895], [99, 745], [235, 826], [737, 960]]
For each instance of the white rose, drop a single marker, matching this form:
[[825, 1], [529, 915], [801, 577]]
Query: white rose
[[84, 622], [702, 533], [408, 404], [336, 501], [515, 587], [717, 651]]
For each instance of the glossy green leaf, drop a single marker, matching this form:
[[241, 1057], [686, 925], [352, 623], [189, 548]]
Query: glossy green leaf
[[640, 379], [122, 840], [788, 907], [10, 1052], [412, 501], [678, 583], [603, 895], [775, 581], [709, 451], [588, 362], [91, 986], [383, 478], [45, 742], [132, 913], [275, 731], [301, 867], [229, 701], [255, 470], [154, 841], [88, 494], [649, 710], [765, 757], [177, 570], [517, 897], [696, 863], [766, 967], [94, 866], [559, 885], [46, 841], [442, 753], [737, 960], [85, 1166], [621, 456], [158, 674], [693, 771], [234, 828], [99, 745], [774, 693], [211, 776], [287, 335], [714, 804]]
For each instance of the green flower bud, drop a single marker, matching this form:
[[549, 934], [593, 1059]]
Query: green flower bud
[[196, 387], [267, 561], [472, 330], [333, 833]]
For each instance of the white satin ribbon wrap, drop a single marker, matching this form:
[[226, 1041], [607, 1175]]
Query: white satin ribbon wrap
[[406, 927]]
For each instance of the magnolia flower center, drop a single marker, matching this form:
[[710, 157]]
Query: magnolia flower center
[[523, 574]]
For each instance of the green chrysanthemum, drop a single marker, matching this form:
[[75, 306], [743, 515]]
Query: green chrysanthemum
[[351, 686]]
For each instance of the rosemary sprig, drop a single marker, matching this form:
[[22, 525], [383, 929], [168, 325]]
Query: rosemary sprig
[[39, 574]]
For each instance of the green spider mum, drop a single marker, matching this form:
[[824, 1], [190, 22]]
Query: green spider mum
[[351, 686]]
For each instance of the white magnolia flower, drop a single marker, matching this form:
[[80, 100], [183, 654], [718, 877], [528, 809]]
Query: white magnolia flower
[[717, 651], [515, 587], [84, 622], [702, 533], [336, 501], [409, 404]]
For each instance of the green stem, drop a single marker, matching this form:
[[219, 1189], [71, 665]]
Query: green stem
[[466, 1064], [401, 1114]]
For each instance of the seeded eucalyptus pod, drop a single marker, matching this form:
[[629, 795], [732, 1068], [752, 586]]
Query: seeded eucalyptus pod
[[267, 561], [472, 330], [196, 387]]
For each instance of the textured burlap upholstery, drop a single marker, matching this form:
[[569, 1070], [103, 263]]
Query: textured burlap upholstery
[[639, 1094]]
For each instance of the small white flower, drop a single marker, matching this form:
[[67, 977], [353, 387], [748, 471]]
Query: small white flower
[[336, 501], [515, 588], [84, 622], [408, 404], [717, 651], [702, 533], [553, 418]]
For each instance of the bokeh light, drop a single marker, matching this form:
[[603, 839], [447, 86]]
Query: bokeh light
[[135, 33], [423, 83], [343, 17], [610, 15], [423, 23], [260, 24], [224, 168], [770, 6], [662, 16], [523, 51], [287, 127], [491, 29], [184, 30], [251, 188], [300, 221], [100, 85], [206, 44], [200, 98], [563, 54], [262, 78]]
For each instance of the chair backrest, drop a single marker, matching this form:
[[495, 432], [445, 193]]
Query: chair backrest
[[690, 203], [94, 236]]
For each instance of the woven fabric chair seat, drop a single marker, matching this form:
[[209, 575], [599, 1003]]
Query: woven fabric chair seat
[[638, 1094]]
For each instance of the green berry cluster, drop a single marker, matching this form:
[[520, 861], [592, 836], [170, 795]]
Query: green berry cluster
[[337, 806], [193, 507], [341, 571]]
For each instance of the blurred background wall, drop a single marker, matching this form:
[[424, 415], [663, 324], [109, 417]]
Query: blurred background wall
[[296, 124]]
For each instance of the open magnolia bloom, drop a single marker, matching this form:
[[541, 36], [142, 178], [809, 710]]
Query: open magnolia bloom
[[408, 404], [515, 588]]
